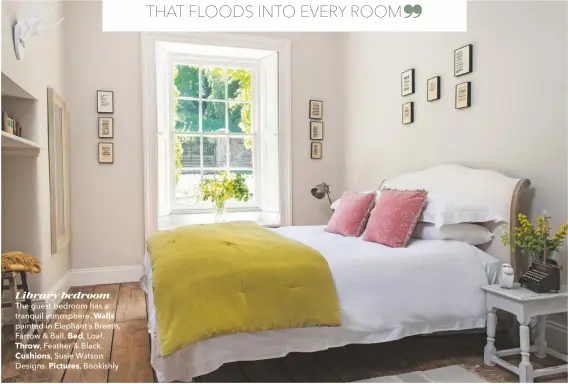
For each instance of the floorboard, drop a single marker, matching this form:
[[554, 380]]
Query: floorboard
[[131, 352], [126, 344], [98, 342]]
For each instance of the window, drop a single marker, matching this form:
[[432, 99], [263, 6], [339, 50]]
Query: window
[[217, 113], [213, 129]]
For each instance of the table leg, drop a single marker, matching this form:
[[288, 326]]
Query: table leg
[[541, 337], [525, 367], [490, 346], [14, 302]]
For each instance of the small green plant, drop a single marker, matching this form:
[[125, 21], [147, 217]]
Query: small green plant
[[222, 187]]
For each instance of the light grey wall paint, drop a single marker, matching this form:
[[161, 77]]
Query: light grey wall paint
[[107, 200], [517, 121], [26, 210]]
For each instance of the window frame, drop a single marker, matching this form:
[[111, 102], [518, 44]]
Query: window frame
[[256, 130]]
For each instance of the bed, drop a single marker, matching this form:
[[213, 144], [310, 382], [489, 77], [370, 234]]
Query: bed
[[385, 294]]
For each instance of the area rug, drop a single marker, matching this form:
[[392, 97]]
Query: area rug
[[450, 374]]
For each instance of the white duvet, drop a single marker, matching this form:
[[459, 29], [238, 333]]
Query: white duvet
[[384, 293]]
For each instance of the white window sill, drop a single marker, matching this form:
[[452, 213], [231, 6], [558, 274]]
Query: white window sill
[[266, 219]]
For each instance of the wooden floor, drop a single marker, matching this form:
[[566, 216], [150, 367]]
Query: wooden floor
[[127, 345]]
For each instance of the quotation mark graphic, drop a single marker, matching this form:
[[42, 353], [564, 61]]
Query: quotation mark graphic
[[411, 9]]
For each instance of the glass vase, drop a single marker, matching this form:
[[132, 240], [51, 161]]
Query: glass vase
[[220, 213]]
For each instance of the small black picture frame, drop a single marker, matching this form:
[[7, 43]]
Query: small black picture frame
[[407, 82], [316, 130], [433, 88], [106, 156], [316, 150], [408, 113], [105, 101], [463, 95], [463, 60], [106, 127], [316, 110]]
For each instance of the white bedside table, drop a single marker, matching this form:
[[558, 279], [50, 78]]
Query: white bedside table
[[524, 304]]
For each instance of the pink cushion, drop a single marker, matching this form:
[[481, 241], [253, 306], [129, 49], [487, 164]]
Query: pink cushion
[[351, 216], [394, 217]]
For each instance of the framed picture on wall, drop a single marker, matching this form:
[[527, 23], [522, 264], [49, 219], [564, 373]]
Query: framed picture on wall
[[463, 95], [316, 130], [106, 127], [316, 151], [408, 113], [106, 153], [105, 102], [316, 109], [407, 82], [433, 88], [463, 60]]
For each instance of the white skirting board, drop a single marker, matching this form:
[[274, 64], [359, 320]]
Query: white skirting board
[[557, 336], [112, 275]]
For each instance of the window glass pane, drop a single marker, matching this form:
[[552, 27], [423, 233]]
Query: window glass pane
[[188, 152], [213, 83], [213, 116], [186, 81], [186, 115], [215, 152], [240, 152], [239, 118], [239, 84], [187, 187]]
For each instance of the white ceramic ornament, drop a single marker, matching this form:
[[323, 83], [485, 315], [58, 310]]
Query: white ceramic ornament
[[507, 276]]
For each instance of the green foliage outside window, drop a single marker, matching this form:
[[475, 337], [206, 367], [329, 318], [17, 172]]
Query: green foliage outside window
[[237, 94], [178, 157]]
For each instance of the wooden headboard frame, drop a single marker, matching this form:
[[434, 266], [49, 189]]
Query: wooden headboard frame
[[483, 187], [517, 261]]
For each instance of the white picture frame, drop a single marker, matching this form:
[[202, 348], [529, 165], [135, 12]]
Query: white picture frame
[[407, 82], [463, 60], [316, 109], [106, 128], [316, 130], [408, 113], [106, 153], [105, 102]]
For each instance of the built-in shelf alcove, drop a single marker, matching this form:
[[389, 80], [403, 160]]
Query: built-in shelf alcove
[[24, 177]]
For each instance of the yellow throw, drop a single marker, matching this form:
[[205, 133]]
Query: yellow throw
[[20, 262], [216, 279]]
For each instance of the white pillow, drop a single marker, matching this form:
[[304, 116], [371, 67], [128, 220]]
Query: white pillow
[[336, 203], [468, 233], [441, 211]]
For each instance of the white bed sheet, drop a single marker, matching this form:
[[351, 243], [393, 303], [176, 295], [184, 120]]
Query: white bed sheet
[[385, 294]]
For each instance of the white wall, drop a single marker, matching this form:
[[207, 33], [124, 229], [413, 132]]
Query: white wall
[[517, 121], [107, 211], [107, 200], [25, 183]]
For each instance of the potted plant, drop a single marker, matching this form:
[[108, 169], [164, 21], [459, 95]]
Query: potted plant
[[537, 242], [222, 187]]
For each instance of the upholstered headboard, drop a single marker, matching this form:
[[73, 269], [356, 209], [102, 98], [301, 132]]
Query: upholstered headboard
[[495, 190]]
